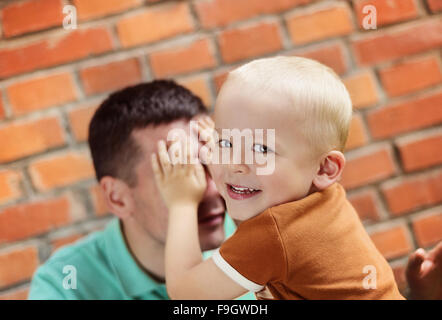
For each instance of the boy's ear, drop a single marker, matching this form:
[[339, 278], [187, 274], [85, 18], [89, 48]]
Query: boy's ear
[[118, 197], [330, 170]]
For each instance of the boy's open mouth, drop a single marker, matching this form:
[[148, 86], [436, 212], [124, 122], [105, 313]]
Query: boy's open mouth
[[237, 192]]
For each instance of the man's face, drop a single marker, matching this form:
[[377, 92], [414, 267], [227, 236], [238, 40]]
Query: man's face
[[151, 212]]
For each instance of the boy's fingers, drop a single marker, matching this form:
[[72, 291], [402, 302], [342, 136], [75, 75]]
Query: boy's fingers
[[209, 122], [206, 153], [164, 157], [206, 123], [180, 154], [156, 168], [188, 158], [200, 174], [175, 153], [207, 135]]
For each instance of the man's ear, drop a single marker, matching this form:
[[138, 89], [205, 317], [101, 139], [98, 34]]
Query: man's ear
[[118, 197], [330, 170]]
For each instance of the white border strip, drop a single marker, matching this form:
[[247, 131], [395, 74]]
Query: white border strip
[[233, 274]]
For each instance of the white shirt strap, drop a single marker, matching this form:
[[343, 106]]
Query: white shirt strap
[[233, 274]]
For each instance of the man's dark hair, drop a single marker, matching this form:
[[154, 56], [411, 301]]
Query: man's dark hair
[[114, 150]]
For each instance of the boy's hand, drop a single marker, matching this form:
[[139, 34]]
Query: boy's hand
[[206, 132], [180, 184]]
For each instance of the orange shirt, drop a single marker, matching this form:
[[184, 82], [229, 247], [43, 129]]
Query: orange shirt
[[313, 248]]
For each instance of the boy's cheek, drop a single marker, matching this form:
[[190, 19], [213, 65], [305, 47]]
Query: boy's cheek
[[216, 173]]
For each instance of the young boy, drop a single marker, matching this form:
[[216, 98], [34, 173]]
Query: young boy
[[298, 236]]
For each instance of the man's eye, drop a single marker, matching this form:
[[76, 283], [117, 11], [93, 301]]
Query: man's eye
[[223, 143], [260, 148]]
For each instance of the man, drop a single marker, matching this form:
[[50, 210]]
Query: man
[[126, 260]]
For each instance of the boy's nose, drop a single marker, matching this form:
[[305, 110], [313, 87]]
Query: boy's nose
[[239, 168]]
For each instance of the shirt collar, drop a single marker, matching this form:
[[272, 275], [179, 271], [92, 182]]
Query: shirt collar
[[134, 280], [333, 196]]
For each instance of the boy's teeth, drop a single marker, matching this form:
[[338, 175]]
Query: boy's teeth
[[242, 190]]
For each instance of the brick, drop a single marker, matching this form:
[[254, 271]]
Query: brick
[[17, 265], [63, 241], [79, 120], [435, 5], [67, 47], [421, 152], [332, 55], [412, 114], [195, 56], [25, 138], [393, 242], [155, 24], [31, 219], [249, 42], [216, 13], [368, 168], [2, 110], [89, 9], [98, 201], [16, 294], [111, 76], [32, 15], [10, 185], [397, 42], [362, 89], [365, 205], [314, 24], [200, 87], [61, 170], [387, 11], [356, 135], [406, 195], [428, 229], [425, 72], [219, 78], [40, 93]]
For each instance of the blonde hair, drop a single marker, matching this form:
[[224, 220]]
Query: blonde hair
[[313, 88]]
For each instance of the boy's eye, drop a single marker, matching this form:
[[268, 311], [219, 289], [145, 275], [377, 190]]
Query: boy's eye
[[260, 148], [223, 143]]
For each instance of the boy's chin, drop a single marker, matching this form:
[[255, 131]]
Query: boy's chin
[[242, 216]]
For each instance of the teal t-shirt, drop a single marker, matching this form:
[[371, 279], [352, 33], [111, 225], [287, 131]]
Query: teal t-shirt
[[100, 266]]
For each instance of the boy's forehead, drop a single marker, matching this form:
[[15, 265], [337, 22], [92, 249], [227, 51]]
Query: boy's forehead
[[255, 109], [238, 93]]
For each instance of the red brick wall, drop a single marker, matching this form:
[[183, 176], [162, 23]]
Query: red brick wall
[[51, 81]]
